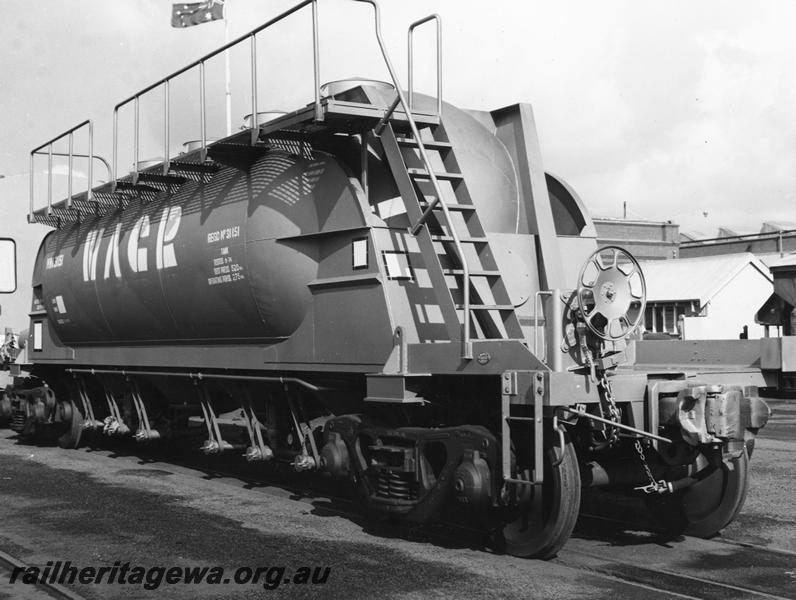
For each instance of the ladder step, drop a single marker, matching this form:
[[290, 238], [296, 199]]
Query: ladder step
[[467, 240], [423, 174], [137, 187], [85, 206], [51, 221], [193, 167], [240, 156], [161, 179], [196, 169], [112, 198], [472, 273], [67, 216], [487, 306], [430, 144], [58, 217]]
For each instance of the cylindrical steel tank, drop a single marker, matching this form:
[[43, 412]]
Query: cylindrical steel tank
[[211, 262], [490, 174]]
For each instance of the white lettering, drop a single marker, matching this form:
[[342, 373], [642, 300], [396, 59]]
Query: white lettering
[[137, 256], [53, 262], [112, 256], [169, 224], [91, 254], [223, 234]]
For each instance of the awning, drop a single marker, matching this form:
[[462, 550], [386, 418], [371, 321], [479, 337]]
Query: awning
[[772, 312]]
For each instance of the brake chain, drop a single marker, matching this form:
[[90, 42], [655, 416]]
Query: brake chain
[[653, 487], [608, 392], [608, 405], [609, 408], [613, 413]]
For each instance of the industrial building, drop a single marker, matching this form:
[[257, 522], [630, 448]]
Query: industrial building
[[713, 297], [646, 240], [773, 237]]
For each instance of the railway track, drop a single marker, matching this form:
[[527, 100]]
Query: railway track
[[636, 563], [640, 562], [769, 580], [718, 568], [21, 591]]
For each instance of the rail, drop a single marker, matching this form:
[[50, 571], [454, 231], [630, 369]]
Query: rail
[[401, 99], [251, 36], [70, 133], [412, 27]]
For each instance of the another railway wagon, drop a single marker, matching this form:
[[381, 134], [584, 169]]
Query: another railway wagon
[[388, 288]]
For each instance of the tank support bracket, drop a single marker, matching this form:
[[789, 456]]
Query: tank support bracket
[[303, 461], [145, 431], [258, 449], [114, 424], [90, 421], [214, 443]]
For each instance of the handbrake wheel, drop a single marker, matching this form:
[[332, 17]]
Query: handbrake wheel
[[612, 293]]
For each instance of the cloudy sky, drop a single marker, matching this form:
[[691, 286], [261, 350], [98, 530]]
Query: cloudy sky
[[677, 108]]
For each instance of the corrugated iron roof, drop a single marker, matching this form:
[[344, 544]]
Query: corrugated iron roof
[[774, 226], [699, 278], [777, 261]]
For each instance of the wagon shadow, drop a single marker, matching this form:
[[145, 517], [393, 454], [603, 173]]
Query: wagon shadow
[[618, 520], [330, 498], [614, 534]]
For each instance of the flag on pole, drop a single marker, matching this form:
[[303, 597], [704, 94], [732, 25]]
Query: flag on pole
[[196, 13]]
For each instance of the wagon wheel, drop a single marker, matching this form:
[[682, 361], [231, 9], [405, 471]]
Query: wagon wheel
[[69, 422], [520, 534], [705, 508], [611, 293]]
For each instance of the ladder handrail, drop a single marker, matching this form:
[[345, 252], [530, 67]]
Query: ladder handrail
[[410, 48], [466, 345], [201, 64], [49, 145]]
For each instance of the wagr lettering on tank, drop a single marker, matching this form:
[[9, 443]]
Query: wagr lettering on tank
[[137, 254]]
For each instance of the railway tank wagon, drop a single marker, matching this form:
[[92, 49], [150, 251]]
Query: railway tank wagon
[[390, 289]]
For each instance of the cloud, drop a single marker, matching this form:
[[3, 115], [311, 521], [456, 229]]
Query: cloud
[[706, 121]]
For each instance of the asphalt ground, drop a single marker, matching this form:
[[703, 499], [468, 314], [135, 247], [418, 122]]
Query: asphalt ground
[[104, 507]]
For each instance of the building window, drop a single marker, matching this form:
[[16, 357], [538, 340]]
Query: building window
[[663, 317]]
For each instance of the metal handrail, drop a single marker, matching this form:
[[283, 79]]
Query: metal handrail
[[401, 99], [202, 105], [552, 328], [49, 145], [536, 306], [101, 159], [412, 27]]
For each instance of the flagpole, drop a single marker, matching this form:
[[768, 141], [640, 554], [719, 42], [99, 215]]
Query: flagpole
[[226, 70]]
